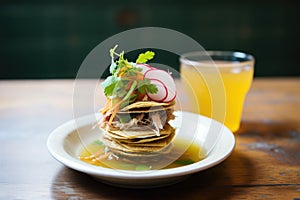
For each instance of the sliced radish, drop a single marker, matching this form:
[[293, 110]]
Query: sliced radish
[[171, 96], [144, 67], [162, 92], [167, 81]]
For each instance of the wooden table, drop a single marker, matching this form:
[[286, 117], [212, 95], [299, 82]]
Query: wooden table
[[264, 165]]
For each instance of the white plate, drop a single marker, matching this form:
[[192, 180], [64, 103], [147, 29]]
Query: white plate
[[65, 143]]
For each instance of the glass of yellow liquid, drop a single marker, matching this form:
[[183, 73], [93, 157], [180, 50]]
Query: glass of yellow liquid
[[217, 83]]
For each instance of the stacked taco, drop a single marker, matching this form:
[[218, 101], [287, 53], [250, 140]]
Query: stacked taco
[[139, 107]]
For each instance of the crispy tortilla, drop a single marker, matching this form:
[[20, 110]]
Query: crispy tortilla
[[146, 147], [115, 145], [135, 140], [150, 137], [143, 140], [141, 155], [146, 106], [160, 142], [139, 134]]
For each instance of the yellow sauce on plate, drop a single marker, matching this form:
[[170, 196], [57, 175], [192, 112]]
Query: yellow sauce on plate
[[96, 154]]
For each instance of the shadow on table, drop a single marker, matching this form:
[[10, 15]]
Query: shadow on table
[[212, 183], [281, 140], [270, 128]]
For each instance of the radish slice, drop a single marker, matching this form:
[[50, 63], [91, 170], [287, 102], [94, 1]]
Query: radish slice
[[166, 79], [144, 67], [162, 92], [171, 96]]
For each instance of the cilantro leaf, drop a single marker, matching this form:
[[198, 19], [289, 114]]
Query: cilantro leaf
[[116, 66], [152, 89], [119, 90], [119, 85], [109, 85], [146, 85], [144, 57], [142, 85]]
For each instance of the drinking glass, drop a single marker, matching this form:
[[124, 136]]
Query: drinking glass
[[218, 81]]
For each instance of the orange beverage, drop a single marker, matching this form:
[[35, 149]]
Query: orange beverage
[[217, 87]]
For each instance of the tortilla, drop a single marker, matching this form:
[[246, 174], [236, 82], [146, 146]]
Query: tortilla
[[160, 142], [143, 140], [139, 134], [115, 145], [146, 147], [146, 107], [147, 136], [135, 140], [141, 155]]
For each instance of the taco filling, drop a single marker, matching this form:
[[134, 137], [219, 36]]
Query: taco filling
[[140, 104]]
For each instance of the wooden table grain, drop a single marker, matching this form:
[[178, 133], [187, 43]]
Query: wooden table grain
[[265, 163]]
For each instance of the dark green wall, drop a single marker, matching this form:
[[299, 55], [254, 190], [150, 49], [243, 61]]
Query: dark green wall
[[50, 39]]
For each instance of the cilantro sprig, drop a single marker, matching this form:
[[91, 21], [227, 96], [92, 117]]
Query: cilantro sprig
[[144, 57], [126, 82]]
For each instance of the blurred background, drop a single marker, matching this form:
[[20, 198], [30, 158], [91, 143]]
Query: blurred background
[[50, 39]]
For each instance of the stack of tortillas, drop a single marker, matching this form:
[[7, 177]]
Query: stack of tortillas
[[146, 131]]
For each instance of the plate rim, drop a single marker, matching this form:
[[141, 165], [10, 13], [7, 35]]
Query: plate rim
[[55, 143]]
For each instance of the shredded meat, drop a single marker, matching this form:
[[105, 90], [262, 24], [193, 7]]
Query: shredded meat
[[154, 121], [157, 122]]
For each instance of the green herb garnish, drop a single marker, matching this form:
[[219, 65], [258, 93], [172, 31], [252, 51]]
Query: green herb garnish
[[145, 57], [126, 83], [98, 142], [184, 162], [142, 167]]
